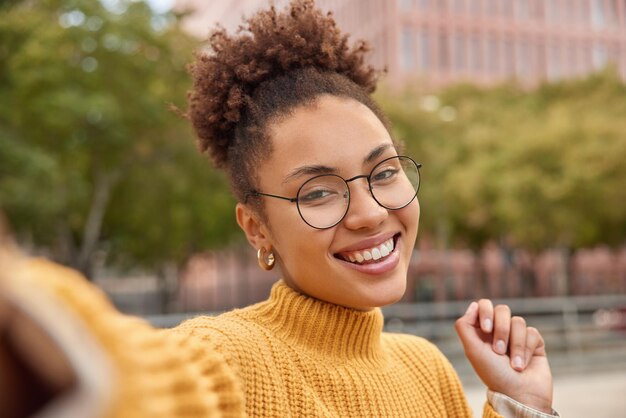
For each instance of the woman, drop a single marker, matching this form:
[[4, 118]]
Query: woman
[[323, 195], [327, 198]]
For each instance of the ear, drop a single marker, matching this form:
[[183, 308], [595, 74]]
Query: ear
[[255, 230]]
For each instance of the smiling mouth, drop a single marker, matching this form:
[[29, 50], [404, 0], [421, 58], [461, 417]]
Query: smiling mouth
[[370, 255]]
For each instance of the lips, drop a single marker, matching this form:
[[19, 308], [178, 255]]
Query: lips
[[374, 253]]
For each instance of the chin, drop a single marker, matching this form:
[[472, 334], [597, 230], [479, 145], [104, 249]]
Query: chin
[[392, 297], [387, 294]]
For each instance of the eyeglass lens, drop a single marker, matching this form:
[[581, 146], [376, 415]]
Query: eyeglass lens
[[324, 200]]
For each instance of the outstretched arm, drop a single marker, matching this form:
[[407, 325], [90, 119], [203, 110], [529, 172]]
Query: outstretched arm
[[33, 369], [61, 336]]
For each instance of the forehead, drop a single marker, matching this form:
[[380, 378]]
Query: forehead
[[333, 131]]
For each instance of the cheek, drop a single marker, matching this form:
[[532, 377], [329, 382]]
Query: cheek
[[297, 243], [410, 215], [282, 217]]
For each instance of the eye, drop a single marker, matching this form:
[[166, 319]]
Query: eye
[[386, 174], [316, 196]]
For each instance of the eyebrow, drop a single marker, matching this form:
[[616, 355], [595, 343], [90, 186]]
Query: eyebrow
[[377, 152], [323, 169]]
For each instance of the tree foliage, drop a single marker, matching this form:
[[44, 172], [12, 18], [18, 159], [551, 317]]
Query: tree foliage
[[91, 156], [542, 167], [93, 161]]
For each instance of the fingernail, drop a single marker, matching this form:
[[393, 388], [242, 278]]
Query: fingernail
[[487, 325], [500, 347], [518, 363], [471, 307]]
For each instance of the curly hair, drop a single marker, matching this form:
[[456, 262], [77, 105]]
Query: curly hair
[[275, 62]]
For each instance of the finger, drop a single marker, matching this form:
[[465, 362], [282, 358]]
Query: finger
[[471, 314], [485, 314], [535, 345], [468, 322], [501, 328], [517, 343], [470, 317]]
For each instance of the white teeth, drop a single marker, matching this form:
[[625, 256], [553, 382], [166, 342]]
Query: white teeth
[[376, 253]]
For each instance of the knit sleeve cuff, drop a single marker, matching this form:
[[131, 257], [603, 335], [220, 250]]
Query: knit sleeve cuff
[[510, 408], [92, 369]]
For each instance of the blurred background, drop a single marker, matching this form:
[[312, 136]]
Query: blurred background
[[516, 109]]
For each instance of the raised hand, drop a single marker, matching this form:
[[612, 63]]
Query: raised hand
[[508, 356]]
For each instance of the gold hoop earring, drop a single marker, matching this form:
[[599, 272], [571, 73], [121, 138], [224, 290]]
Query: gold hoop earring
[[266, 263]]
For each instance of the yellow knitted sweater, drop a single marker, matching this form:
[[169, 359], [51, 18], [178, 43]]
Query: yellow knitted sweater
[[294, 356], [300, 357], [126, 368]]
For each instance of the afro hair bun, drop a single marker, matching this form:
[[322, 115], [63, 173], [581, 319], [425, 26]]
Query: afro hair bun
[[269, 44]]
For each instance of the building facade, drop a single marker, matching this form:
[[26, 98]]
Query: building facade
[[438, 42]]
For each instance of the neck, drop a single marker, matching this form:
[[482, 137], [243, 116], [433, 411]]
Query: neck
[[321, 328], [290, 283]]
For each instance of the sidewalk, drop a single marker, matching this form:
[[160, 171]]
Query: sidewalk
[[597, 395]]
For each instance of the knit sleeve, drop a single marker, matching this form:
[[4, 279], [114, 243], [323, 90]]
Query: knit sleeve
[[153, 373]]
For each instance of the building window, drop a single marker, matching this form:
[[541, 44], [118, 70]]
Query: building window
[[521, 9], [523, 59], [492, 55], [509, 57], [588, 57], [458, 48], [568, 14], [506, 7], [613, 13], [598, 14], [538, 52], [600, 56], [423, 4], [614, 56], [551, 12], [574, 13], [443, 51], [405, 4], [572, 59], [583, 12], [459, 6], [475, 7], [407, 58], [424, 50], [475, 53], [533, 9], [623, 63], [554, 62]]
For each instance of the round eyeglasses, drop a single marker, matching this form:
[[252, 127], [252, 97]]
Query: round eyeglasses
[[324, 200]]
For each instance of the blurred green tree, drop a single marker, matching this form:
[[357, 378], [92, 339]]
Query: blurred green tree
[[91, 156], [541, 167]]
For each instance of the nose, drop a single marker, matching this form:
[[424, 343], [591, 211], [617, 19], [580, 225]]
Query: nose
[[364, 211]]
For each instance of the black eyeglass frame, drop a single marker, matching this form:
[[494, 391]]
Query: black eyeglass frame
[[295, 199]]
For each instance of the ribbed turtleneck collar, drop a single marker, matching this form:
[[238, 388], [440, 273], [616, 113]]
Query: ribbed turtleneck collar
[[320, 327]]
